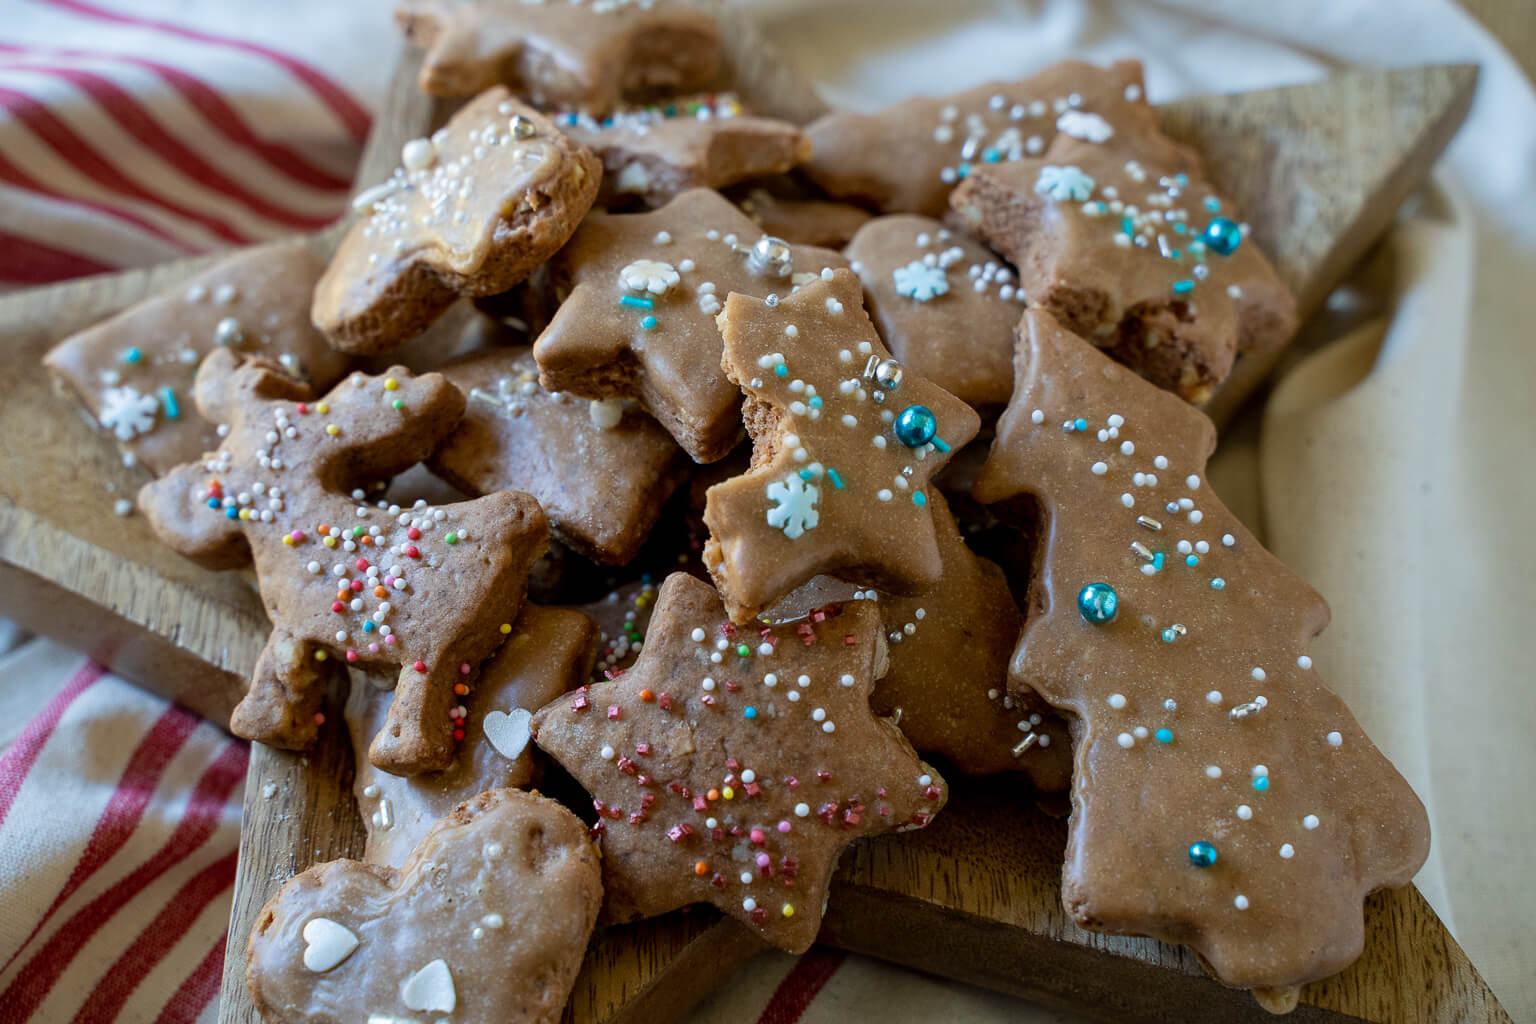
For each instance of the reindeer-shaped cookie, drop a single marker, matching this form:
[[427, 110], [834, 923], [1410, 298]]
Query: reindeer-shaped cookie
[[427, 589]]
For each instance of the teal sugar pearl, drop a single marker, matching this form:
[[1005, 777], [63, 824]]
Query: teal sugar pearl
[[1202, 854], [1222, 235], [1165, 735], [1261, 783], [916, 426], [1097, 603]]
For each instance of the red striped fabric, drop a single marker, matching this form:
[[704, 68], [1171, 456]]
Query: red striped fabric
[[44, 967], [126, 807], [219, 113], [200, 988], [14, 175], [19, 759], [157, 939], [351, 113], [136, 121], [800, 986], [24, 261]]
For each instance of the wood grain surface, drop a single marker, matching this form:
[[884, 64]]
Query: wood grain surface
[[975, 897]]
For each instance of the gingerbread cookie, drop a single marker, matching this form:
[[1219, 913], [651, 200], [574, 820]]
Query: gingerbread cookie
[[471, 211], [431, 590], [638, 296], [1129, 248], [601, 470], [804, 221], [133, 373], [548, 652], [844, 442], [1225, 798], [652, 154], [732, 766], [486, 920], [562, 53], [945, 305], [947, 687], [907, 157]]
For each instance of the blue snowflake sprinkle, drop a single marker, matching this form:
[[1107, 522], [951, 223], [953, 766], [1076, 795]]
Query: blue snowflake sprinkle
[[917, 280], [1063, 183]]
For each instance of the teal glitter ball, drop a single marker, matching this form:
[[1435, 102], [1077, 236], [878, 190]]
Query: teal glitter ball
[[916, 426], [1098, 603], [1165, 735], [1202, 854], [1261, 783], [1223, 236]]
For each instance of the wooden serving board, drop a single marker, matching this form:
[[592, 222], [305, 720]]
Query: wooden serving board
[[974, 897]]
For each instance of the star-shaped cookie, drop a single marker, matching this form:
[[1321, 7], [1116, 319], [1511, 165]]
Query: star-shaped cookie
[[947, 686], [944, 304], [471, 211], [844, 442], [1225, 798], [601, 471], [548, 652], [907, 157], [562, 53], [732, 766], [651, 154], [487, 920], [134, 372], [638, 296], [1129, 247]]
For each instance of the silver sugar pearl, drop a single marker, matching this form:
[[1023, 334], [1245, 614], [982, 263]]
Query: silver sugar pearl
[[885, 374], [523, 127], [228, 333], [771, 256]]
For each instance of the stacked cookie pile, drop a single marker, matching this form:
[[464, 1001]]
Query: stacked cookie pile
[[1031, 263]]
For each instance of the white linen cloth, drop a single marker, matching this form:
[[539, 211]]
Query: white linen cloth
[[1393, 470]]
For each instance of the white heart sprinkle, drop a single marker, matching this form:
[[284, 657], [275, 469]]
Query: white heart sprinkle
[[430, 989], [327, 944], [508, 732]]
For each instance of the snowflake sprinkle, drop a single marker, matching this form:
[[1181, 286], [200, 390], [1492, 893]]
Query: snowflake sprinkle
[[1063, 183], [1082, 125], [795, 510], [652, 276], [127, 413], [917, 280]]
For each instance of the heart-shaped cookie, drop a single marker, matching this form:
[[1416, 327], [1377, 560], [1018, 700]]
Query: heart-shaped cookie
[[508, 732], [488, 921]]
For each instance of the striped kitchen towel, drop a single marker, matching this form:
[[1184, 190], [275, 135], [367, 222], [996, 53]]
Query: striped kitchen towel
[[136, 132], [119, 827]]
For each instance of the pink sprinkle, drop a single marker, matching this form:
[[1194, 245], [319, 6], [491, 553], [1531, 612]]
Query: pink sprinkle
[[373, 648], [389, 581], [464, 669], [303, 408], [351, 655], [296, 536], [362, 565], [420, 666], [763, 860], [757, 835], [357, 584], [390, 639], [783, 826]]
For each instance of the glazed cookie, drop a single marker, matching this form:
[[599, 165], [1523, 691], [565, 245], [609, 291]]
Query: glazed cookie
[[472, 211], [652, 154], [907, 157], [1224, 797], [427, 589], [947, 687], [601, 470], [548, 652], [133, 373], [487, 920], [732, 766], [639, 293], [844, 443], [804, 221], [562, 53], [944, 304], [1129, 248]]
